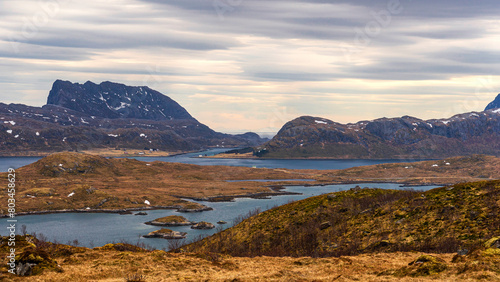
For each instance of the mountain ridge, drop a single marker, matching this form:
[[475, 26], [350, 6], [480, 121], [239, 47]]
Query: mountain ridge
[[404, 137]]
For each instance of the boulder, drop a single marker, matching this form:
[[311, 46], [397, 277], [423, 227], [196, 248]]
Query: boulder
[[203, 225], [166, 234]]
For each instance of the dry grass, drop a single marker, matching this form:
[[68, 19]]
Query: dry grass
[[114, 265]]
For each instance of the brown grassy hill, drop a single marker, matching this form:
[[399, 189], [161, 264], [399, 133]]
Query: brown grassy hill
[[99, 183], [442, 220]]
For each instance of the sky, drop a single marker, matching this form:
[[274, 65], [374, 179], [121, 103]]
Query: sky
[[253, 65]]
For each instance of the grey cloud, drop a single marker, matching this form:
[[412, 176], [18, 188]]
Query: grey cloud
[[470, 56]]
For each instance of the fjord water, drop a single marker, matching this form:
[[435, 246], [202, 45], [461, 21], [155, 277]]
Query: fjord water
[[194, 158], [97, 229]]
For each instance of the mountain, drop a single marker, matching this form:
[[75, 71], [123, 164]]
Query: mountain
[[405, 137], [494, 105], [106, 116], [114, 100]]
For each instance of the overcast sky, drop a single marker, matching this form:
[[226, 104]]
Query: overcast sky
[[240, 65]]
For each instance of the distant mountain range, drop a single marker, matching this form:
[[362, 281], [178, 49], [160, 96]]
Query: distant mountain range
[[405, 137], [107, 115]]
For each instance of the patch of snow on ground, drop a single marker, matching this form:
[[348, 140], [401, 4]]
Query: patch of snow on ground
[[320, 122], [143, 135], [147, 202], [37, 133], [447, 163], [71, 194], [429, 124], [16, 136], [435, 165], [122, 106], [113, 135], [9, 131], [496, 111], [11, 122]]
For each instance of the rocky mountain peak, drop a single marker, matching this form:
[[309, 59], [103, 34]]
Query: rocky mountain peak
[[495, 104], [115, 100]]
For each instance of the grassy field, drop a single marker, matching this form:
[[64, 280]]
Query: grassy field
[[123, 262]]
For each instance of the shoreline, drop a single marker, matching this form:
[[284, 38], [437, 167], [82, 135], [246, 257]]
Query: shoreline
[[261, 195], [406, 159], [111, 211], [101, 153]]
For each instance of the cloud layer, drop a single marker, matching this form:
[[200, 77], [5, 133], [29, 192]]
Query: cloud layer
[[253, 65]]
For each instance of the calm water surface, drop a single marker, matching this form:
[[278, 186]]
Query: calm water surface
[[193, 158], [97, 229]]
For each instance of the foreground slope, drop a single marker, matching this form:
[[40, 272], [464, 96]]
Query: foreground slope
[[443, 220], [124, 262]]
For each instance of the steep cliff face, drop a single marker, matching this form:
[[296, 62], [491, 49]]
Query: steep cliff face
[[494, 105], [114, 100], [405, 137]]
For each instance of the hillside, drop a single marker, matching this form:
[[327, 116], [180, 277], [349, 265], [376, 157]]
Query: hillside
[[442, 220], [387, 138], [106, 116]]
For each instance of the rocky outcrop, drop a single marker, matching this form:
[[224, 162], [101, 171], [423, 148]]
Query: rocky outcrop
[[166, 234], [203, 225], [405, 137], [172, 220]]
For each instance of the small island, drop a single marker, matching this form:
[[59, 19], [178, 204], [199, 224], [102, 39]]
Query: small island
[[172, 220], [203, 225], [166, 234]]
